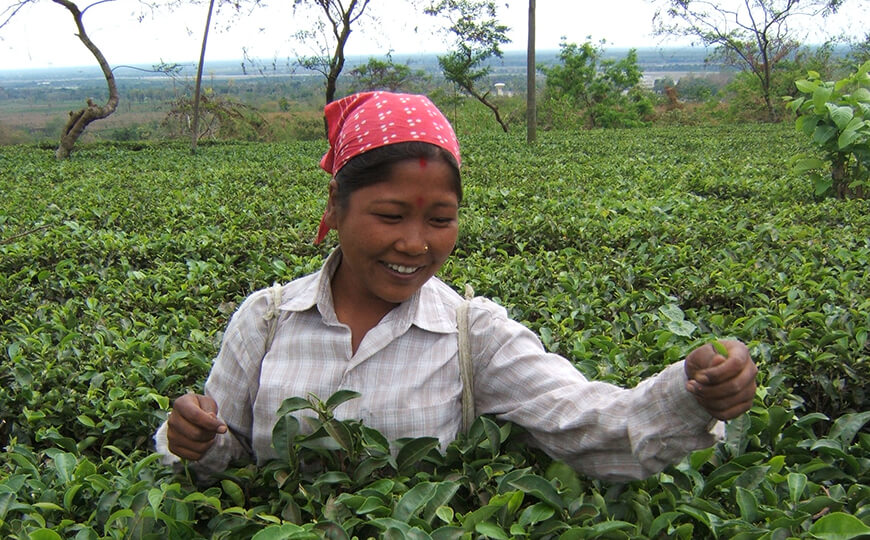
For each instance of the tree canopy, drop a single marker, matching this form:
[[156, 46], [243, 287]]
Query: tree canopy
[[478, 36], [755, 34], [605, 92]]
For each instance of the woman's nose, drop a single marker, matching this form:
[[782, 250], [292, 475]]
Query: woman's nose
[[413, 241]]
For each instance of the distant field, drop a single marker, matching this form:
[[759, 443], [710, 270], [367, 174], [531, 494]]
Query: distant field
[[34, 103], [43, 121]]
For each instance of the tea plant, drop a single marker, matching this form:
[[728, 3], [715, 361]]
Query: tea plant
[[623, 250]]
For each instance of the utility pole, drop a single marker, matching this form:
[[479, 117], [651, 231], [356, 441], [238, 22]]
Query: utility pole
[[531, 112]]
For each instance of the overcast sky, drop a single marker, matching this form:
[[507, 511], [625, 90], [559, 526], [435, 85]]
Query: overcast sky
[[43, 34]]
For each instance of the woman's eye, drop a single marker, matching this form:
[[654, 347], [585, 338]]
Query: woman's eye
[[389, 217], [443, 221]]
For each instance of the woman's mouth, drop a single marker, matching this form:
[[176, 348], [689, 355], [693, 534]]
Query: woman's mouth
[[401, 269]]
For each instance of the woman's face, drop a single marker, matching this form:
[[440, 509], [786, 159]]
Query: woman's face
[[385, 230]]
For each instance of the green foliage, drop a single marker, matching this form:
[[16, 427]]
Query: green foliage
[[622, 249], [745, 96], [130, 133], [220, 118], [836, 117], [387, 75], [698, 89], [859, 52], [754, 36], [604, 93], [745, 102], [478, 37]]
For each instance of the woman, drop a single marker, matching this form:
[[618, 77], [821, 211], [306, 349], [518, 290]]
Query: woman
[[375, 320]]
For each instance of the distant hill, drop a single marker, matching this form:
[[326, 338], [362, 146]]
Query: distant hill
[[650, 59]]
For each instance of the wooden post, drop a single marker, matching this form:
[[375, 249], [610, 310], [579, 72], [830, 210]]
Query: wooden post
[[531, 112]]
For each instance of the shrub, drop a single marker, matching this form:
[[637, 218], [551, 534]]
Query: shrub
[[605, 92], [836, 117]]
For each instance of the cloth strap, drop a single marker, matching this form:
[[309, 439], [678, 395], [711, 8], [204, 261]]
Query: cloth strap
[[271, 315], [466, 369]]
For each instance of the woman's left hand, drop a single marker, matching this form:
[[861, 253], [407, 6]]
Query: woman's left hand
[[723, 386]]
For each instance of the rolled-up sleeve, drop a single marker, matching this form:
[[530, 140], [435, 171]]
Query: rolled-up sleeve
[[602, 430]]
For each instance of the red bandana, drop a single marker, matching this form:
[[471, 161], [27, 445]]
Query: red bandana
[[361, 122]]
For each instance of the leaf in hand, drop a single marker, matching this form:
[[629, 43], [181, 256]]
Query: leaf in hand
[[719, 348]]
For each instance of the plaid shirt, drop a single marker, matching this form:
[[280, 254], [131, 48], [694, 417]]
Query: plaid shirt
[[407, 370]]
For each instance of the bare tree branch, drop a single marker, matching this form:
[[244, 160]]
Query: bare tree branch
[[338, 19], [10, 11], [755, 35]]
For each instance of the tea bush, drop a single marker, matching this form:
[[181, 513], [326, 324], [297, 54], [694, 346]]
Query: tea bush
[[622, 249]]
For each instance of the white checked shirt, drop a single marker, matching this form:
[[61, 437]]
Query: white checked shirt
[[407, 370]]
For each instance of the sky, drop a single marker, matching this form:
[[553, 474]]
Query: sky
[[43, 33]]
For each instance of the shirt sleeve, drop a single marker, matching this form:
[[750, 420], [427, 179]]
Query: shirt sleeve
[[600, 429], [233, 383]]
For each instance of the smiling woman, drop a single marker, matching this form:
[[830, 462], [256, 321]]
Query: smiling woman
[[395, 234], [375, 320]]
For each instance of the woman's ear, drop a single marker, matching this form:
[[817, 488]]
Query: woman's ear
[[330, 217]]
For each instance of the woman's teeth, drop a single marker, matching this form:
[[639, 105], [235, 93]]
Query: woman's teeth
[[402, 269]]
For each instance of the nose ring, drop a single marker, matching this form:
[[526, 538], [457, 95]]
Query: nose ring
[[426, 248]]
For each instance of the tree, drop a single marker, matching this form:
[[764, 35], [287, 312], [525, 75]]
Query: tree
[[606, 92], [755, 35], [220, 117], [194, 131], [386, 75], [478, 36], [835, 116], [78, 120], [330, 34], [859, 52]]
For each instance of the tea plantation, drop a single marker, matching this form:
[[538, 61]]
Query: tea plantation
[[623, 249]]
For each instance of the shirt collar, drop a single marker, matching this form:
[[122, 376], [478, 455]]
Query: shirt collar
[[314, 290], [427, 309]]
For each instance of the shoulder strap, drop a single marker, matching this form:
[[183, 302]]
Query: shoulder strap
[[466, 369], [271, 314]]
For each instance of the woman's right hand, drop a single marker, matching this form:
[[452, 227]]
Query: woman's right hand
[[192, 426]]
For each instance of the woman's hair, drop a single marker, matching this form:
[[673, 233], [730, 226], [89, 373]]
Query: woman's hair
[[375, 166]]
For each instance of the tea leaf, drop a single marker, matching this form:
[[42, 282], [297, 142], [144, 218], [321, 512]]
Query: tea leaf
[[413, 451], [719, 348], [540, 488], [839, 526]]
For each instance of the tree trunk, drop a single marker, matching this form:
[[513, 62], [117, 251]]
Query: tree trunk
[[531, 87], [337, 62], [841, 176], [492, 106], [838, 176], [194, 131], [79, 120], [772, 116]]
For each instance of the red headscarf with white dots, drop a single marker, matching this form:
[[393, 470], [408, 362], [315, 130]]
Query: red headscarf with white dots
[[367, 120]]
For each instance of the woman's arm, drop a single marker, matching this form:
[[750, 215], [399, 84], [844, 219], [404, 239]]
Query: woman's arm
[[600, 429]]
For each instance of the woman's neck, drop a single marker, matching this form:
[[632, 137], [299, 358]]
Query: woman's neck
[[358, 311]]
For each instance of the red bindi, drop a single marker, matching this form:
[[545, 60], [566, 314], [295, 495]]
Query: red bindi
[[419, 202], [422, 163]]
